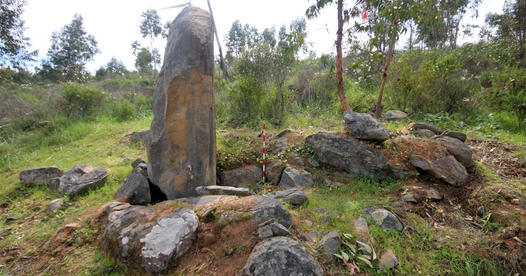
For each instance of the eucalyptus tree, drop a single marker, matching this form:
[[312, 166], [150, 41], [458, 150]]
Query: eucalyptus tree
[[151, 27], [13, 43]]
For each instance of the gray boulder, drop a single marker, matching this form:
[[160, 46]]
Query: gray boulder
[[223, 190], [135, 189], [384, 218], [447, 169], [273, 171], [434, 129], [294, 197], [79, 180], [145, 240], [352, 156], [456, 134], [362, 230], [421, 132], [273, 230], [365, 127], [181, 145], [281, 256], [241, 177], [457, 148], [40, 175], [138, 136], [395, 115], [295, 178], [267, 208], [330, 244]]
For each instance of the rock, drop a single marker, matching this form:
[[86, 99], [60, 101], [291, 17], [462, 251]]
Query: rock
[[280, 256], [294, 177], [333, 184], [200, 200], [362, 230], [292, 196], [351, 155], [138, 136], [40, 175], [281, 142], [365, 127], [433, 194], [410, 198], [135, 189], [297, 161], [54, 205], [181, 145], [273, 170], [79, 180], [458, 149], [269, 208], [384, 218], [279, 230], [137, 162], [241, 177], [447, 169], [420, 132], [265, 232], [395, 115], [330, 244], [388, 259], [434, 129], [223, 190], [456, 134], [145, 240], [10, 218], [313, 162]]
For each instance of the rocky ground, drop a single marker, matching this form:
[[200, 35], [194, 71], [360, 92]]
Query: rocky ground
[[410, 199]]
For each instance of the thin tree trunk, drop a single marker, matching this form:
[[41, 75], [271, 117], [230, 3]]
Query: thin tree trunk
[[221, 59], [339, 69], [384, 75]]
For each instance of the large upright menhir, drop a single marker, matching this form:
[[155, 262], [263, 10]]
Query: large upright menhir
[[181, 145]]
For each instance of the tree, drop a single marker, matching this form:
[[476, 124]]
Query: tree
[[71, 49], [312, 12], [143, 61], [13, 44], [151, 27]]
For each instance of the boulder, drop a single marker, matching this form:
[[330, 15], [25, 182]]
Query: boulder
[[138, 136], [295, 178], [241, 177], [417, 194], [135, 189], [223, 190], [273, 171], [420, 132], [274, 229], [266, 208], [54, 205], [447, 169], [351, 155], [145, 240], [294, 197], [362, 230], [434, 129], [281, 142], [456, 134], [384, 218], [330, 244], [395, 115], [281, 256], [79, 180], [181, 144], [458, 149], [40, 175], [388, 259], [297, 161], [365, 127]]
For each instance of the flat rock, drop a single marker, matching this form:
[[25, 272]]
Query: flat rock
[[40, 175], [457, 148], [295, 178], [363, 126], [281, 256], [138, 136], [388, 259], [241, 177], [395, 115], [135, 189], [200, 200], [273, 171], [223, 190], [384, 218], [348, 154], [181, 145], [436, 130], [456, 134], [294, 197], [447, 169], [362, 230], [273, 230], [145, 240], [330, 244], [267, 208], [54, 205], [79, 180], [421, 132]]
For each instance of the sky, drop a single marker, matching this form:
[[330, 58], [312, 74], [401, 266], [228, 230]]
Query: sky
[[115, 23]]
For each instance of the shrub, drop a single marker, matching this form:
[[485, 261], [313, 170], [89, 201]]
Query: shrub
[[123, 110], [245, 99], [80, 100], [508, 92]]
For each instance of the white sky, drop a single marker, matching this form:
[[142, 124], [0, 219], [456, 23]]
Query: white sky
[[115, 23]]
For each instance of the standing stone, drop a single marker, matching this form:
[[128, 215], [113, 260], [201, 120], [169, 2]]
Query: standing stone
[[181, 145]]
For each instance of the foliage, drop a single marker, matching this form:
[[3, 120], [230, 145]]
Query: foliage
[[354, 253], [508, 92], [13, 44], [70, 49], [151, 26], [144, 61], [113, 68], [80, 100]]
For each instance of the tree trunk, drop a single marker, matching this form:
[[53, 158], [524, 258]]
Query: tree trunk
[[339, 69], [221, 59], [384, 75], [281, 103]]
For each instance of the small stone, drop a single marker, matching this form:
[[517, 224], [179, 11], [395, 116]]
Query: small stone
[[388, 259], [395, 115], [10, 218], [265, 232], [326, 219], [362, 230], [54, 205], [330, 244], [456, 134], [409, 198], [365, 127], [279, 230], [308, 223], [384, 218], [313, 162], [423, 133], [434, 194], [436, 130], [293, 177]]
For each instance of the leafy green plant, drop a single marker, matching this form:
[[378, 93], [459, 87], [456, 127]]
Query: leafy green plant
[[80, 100], [354, 253]]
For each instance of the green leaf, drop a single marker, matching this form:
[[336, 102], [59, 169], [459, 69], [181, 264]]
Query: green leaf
[[364, 259], [365, 247]]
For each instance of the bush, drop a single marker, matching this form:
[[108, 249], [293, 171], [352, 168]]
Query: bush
[[80, 100], [245, 99], [123, 110], [508, 92]]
